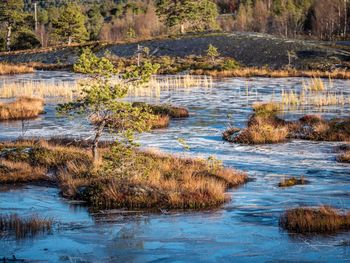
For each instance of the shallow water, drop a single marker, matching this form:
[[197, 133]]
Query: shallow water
[[245, 229]]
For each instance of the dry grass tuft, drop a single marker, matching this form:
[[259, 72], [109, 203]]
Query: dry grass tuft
[[160, 121], [24, 227], [22, 108], [262, 134], [288, 182], [316, 84], [6, 68], [314, 220], [20, 172]]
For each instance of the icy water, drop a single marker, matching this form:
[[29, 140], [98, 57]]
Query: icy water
[[244, 230]]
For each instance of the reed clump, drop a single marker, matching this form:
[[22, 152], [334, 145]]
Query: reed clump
[[24, 227], [306, 220], [126, 177], [21, 109], [6, 68]]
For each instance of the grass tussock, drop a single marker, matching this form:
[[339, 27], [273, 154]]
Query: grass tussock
[[292, 181], [344, 156], [22, 108], [264, 126], [314, 220], [126, 177], [20, 172], [262, 134], [162, 181], [6, 68], [31, 226]]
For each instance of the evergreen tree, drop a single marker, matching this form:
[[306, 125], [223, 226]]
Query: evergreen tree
[[70, 25], [11, 16], [95, 22], [198, 14]]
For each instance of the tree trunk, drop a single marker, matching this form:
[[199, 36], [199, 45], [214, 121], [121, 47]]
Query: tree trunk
[[95, 153], [69, 40], [8, 38], [182, 29]]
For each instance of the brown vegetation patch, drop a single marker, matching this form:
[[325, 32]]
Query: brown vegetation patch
[[24, 227], [125, 177], [162, 181], [164, 109], [20, 172], [264, 126], [270, 73], [22, 108], [6, 68], [314, 220], [344, 156], [288, 182]]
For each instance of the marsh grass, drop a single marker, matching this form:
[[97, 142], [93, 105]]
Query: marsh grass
[[127, 177], [323, 219], [21, 109], [314, 93], [41, 89], [6, 68], [24, 227], [67, 90], [21, 172], [265, 72]]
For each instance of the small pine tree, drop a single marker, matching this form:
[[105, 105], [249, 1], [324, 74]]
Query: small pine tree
[[102, 99], [212, 52]]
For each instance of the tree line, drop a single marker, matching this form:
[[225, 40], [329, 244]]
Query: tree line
[[26, 24]]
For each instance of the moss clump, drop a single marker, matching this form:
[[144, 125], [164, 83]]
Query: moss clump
[[344, 156], [323, 219], [288, 182], [164, 109], [267, 109]]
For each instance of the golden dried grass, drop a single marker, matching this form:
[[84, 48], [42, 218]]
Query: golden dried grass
[[22, 108]]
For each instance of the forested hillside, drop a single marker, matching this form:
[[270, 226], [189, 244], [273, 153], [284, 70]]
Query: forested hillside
[[31, 24]]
